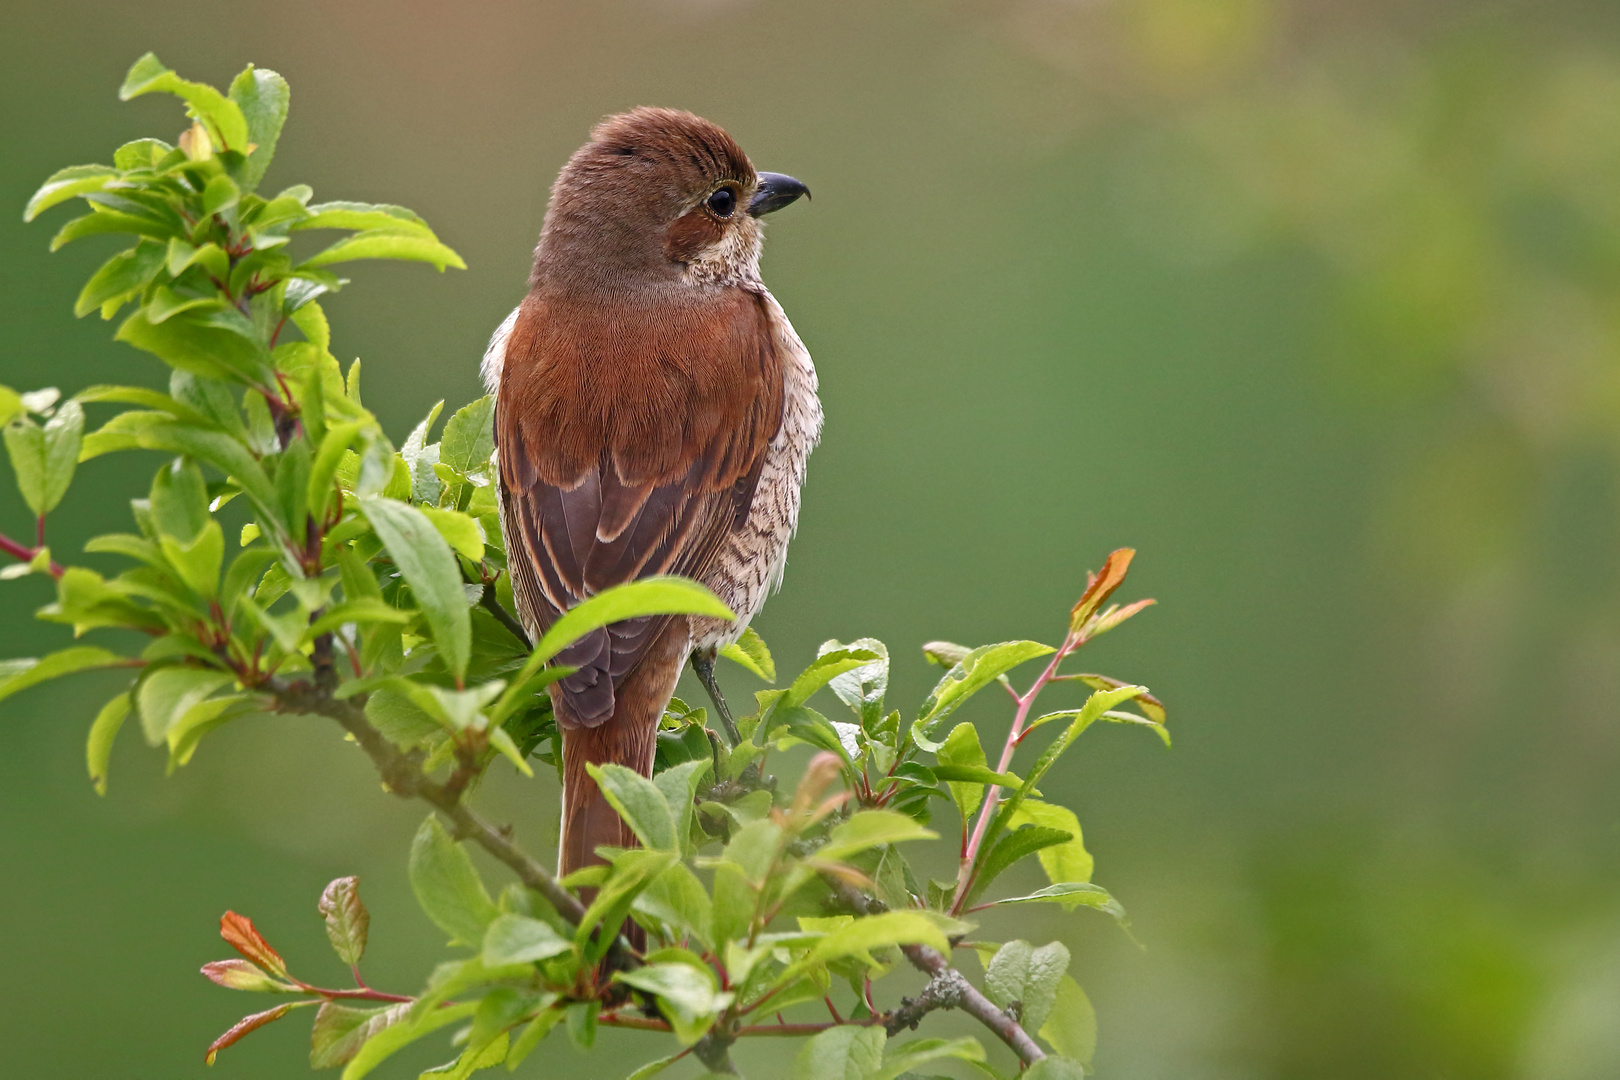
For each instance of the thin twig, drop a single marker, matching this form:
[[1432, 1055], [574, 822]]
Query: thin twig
[[491, 604]]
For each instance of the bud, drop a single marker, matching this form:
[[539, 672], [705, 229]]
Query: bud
[[818, 776], [1100, 586], [947, 654], [196, 143]]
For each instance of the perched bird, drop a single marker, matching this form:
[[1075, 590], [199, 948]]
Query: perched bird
[[654, 413]]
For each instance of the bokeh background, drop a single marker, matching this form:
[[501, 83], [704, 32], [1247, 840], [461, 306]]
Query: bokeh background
[[1314, 304]]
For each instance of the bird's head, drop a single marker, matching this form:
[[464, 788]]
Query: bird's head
[[657, 197]]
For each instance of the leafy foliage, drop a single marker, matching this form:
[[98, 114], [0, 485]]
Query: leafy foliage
[[287, 558]]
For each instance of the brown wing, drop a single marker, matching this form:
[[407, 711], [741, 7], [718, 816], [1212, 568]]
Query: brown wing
[[630, 441]]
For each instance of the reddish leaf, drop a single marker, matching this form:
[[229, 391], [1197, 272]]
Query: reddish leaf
[[241, 975], [245, 1025], [347, 920], [1100, 586], [238, 931]]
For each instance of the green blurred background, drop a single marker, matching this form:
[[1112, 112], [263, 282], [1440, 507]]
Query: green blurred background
[[1314, 304]]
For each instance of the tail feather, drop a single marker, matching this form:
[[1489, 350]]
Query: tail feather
[[629, 737]]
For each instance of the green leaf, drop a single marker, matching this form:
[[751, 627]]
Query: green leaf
[[863, 935], [430, 569], [380, 217], [847, 1052], [962, 748], [198, 560], [640, 803], [862, 688], [340, 1031], [653, 1068], [121, 276], [323, 469], [447, 887], [1055, 1068], [386, 244], [347, 920], [11, 404], [44, 459], [388, 1041], [582, 1023], [750, 652], [649, 596], [1073, 894], [518, 939], [103, 222], [18, 675], [1019, 972], [211, 343], [530, 1038], [973, 673], [1011, 847], [678, 784], [1071, 1026], [1068, 861], [64, 184], [464, 535], [263, 97], [165, 697], [870, 829], [224, 116], [98, 751], [827, 666], [902, 1059], [677, 898], [687, 996], [469, 437], [220, 194]]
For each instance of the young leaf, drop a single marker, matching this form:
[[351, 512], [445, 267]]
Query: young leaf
[[1100, 586], [750, 651], [847, 1052], [98, 750], [859, 938], [239, 932], [223, 115], [640, 803], [862, 688], [363, 216], [430, 569], [1011, 847], [461, 532], [962, 748], [210, 343], [17, 675], [241, 975], [1021, 973], [447, 887], [1071, 1026], [1055, 1068], [347, 920], [245, 1025]]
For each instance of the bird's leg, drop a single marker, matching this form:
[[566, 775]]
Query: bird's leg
[[703, 664]]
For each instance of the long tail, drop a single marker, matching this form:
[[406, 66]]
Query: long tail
[[588, 822]]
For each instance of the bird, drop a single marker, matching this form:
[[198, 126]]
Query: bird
[[654, 414]]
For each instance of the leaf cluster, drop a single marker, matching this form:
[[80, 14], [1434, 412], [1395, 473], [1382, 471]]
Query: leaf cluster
[[289, 557]]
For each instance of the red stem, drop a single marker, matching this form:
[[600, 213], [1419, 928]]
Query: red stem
[[26, 554], [970, 854]]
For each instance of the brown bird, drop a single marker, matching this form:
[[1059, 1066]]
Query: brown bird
[[654, 413]]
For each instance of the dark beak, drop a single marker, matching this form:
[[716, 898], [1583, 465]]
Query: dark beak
[[775, 191]]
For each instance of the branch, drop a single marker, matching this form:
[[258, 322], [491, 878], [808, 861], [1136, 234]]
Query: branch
[[403, 775], [488, 602], [947, 988]]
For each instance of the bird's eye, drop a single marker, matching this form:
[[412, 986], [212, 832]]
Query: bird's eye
[[723, 202]]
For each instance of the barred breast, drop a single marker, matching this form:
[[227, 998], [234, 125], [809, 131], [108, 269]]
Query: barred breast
[[749, 568]]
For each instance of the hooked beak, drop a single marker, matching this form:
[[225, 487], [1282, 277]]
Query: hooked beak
[[775, 191]]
